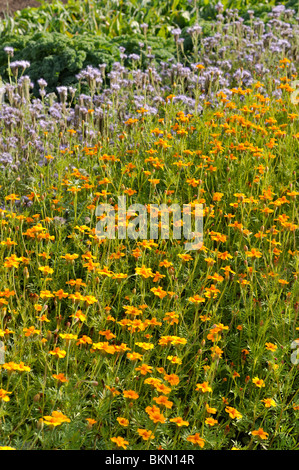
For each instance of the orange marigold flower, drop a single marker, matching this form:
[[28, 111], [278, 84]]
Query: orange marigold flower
[[173, 379], [163, 401], [123, 421], [144, 369], [211, 421], [155, 414], [112, 390], [120, 441], [210, 409], [31, 331], [60, 377], [179, 421], [134, 356], [233, 413], [145, 434], [196, 439], [91, 421], [131, 394], [260, 433], [268, 402]]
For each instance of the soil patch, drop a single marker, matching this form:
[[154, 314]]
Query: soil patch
[[11, 6]]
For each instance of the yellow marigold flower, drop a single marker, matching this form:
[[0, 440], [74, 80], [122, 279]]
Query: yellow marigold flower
[[268, 402], [185, 257], [258, 382], [103, 347], [120, 441], [68, 336], [174, 359], [8, 242], [4, 395], [224, 256], [12, 366], [177, 341], [120, 276], [76, 283], [43, 318], [152, 381], [60, 353], [5, 332], [165, 264], [12, 197], [56, 419], [7, 448], [46, 294], [105, 271], [79, 315], [271, 347], [204, 387], [70, 257], [145, 346], [23, 368], [197, 299], [144, 272], [12, 261], [90, 299], [159, 292], [46, 270], [121, 348]]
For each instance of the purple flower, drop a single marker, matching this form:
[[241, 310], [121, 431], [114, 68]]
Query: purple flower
[[9, 51], [42, 83]]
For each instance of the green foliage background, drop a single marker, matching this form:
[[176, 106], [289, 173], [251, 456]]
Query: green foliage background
[[59, 40]]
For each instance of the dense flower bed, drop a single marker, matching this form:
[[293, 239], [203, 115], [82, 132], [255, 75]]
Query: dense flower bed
[[138, 343]]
